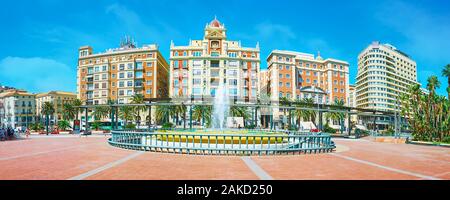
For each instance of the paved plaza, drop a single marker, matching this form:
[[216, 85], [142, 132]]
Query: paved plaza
[[87, 158]]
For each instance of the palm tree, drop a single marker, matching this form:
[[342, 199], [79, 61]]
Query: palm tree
[[68, 112], [336, 116], [100, 112], [432, 84], [284, 101], [202, 113], [180, 110], [126, 113], [237, 111], [138, 99], [47, 110], [76, 103], [428, 114], [303, 114], [163, 113], [63, 125], [446, 73]]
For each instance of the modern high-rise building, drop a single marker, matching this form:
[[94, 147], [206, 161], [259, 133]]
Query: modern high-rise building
[[17, 108], [384, 72], [296, 75], [58, 99], [118, 74], [198, 69]]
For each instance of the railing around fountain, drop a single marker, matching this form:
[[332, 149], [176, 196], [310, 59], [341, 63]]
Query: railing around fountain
[[222, 144]]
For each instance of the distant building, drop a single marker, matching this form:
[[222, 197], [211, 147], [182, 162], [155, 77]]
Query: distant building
[[5, 88], [352, 96], [58, 99], [296, 75], [120, 73], [198, 69], [17, 108]]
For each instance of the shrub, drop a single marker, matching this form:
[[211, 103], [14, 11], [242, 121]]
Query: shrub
[[167, 125], [251, 126], [130, 126], [446, 139], [328, 129]]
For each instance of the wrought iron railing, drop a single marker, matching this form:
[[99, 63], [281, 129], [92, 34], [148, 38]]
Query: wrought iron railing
[[223, 144]]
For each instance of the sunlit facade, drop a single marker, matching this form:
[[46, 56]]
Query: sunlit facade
[[120, 73], [197, 69]]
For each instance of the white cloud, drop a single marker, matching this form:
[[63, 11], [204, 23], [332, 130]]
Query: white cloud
[[133, 24], [37, 74], [269, 30]]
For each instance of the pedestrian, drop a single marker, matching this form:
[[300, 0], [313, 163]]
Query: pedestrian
[[11, 133], [2, 134], [27, 132], [8, 132]]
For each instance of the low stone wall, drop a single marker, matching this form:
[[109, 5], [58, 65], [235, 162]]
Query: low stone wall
[[390, 140]]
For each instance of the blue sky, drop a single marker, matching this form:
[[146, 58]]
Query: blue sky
[[40, 39]]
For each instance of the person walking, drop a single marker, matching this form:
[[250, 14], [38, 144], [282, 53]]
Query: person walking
[[2, 134], [8, 132], [27, 132]]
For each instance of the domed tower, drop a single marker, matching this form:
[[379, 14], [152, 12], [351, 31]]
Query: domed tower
[[215, 35], [215, 30]]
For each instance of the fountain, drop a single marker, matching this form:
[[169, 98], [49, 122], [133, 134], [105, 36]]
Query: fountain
[[221, 106]]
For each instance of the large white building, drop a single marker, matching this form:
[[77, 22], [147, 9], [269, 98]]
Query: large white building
[[384, 72], [17, 108], [197, 70]]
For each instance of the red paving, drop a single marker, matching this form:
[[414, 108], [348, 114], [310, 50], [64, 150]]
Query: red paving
[[55, 157]]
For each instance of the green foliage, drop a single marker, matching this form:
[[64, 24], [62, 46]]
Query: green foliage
[[130, 126], [36, 127], [389, 131], [167, 125], [446, 140], [63, 125], [100, 112], [237, 111], [428, 114], [251, 126], [328, 129], [305, 115], [126, 113], [69, 112], [96, 125], [163, 113], [202, 112]]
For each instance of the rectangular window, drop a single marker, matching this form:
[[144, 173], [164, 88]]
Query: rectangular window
[[139, 65], [139, 74], [197, 81]]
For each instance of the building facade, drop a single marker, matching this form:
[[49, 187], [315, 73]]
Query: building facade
[[58, 99], [17, 108], [197, 70], [384, 72], [295, 76], [120, 73]]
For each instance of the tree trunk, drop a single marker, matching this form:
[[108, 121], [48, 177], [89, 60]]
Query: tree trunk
[[47, 123]]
